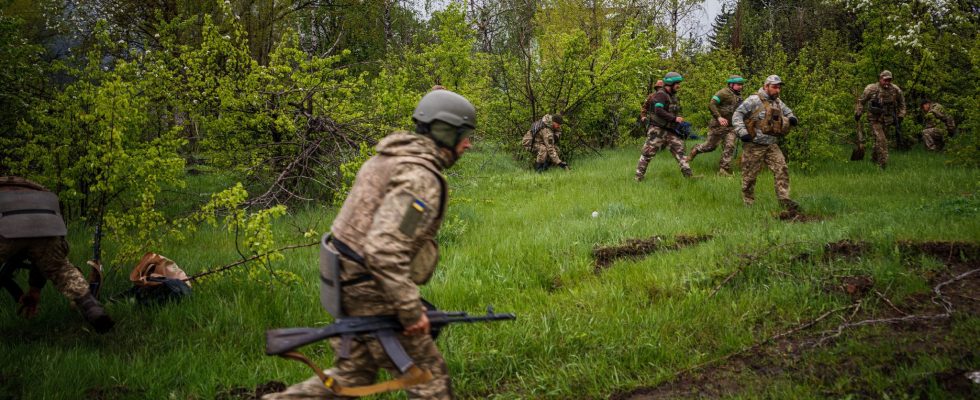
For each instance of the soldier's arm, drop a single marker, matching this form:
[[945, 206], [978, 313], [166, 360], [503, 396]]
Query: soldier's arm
[[738, 118], [660, 107], [713, 105], [946, 118], [408, 209], [647, 105], [787, 112]]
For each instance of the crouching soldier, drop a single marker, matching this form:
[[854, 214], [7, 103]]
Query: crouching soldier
[[939, 124], [544, 135], [31, 227], [384, 239], [759, 122]]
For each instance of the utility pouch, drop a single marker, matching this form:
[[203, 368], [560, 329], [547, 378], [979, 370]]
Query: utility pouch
[[330, 285], [875, 107]]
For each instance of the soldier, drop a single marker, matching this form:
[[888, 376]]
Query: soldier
[[662, 112], [722, 105], [544, 136], [886, 106], [385, 237], [31, 226], [934, 133], [759, 122]]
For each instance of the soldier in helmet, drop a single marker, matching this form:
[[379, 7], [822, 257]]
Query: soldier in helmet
[[385, 238], [545, 134], [662, 112], [939, 124], [31, 227], [886, 108], [722, 105], [759, 122]]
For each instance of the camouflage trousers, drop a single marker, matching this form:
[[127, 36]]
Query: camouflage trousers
[[879, 155], [724, 135], [546, 153], [366, 358], [933, 138], [658, 139], [753, 157], [50, 256]]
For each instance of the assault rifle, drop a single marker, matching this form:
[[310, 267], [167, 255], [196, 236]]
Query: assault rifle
[[281, 341]]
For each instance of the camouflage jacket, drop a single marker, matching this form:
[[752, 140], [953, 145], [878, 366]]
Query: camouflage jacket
[[390, 218], [661, 109], [723, 105], [881, 102], [936, 114], [748, 107]]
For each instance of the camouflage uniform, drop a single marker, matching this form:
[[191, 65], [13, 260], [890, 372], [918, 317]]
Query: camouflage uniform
[[934, 133], [883, 104], [762, 149], [722, 105], [545, 146], [661, 110], [390, 219], [48, 254], [41, 240]]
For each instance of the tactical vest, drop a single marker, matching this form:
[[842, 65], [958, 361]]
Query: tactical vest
[[352, 224], [673, 107], [28, 210], [768, 119], [883, 101]]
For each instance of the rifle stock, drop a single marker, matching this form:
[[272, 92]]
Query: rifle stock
[[284, 340]]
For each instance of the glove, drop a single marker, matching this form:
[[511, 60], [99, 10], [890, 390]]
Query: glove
[[746, 138], [793, 121], [857, 117]]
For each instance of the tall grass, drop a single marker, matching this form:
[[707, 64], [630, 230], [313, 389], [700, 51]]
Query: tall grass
[[522, 242]]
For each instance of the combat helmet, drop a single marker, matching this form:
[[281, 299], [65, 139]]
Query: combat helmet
[[672, 78], [448, 107]]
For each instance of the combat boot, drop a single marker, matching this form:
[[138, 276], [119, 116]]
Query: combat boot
[[564, 166], [94, 314], [791, 206], [724, 172]]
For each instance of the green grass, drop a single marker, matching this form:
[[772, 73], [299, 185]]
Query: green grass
[[522, 242]]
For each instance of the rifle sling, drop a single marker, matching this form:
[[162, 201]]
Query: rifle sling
[[413, 376]]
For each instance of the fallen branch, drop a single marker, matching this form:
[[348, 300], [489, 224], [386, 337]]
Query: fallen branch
[[243, 261], [947, 306]]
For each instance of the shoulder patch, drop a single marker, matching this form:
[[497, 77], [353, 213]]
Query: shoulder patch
[[413, 215]]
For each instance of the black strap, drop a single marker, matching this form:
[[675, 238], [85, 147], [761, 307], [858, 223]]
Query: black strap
[[349, 282], [36, 211], [346, 251]]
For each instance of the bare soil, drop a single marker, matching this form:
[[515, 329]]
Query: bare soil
[[918, 339], [635, 248]]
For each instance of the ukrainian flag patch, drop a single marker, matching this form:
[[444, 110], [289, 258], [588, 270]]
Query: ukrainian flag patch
[[413, 216]]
